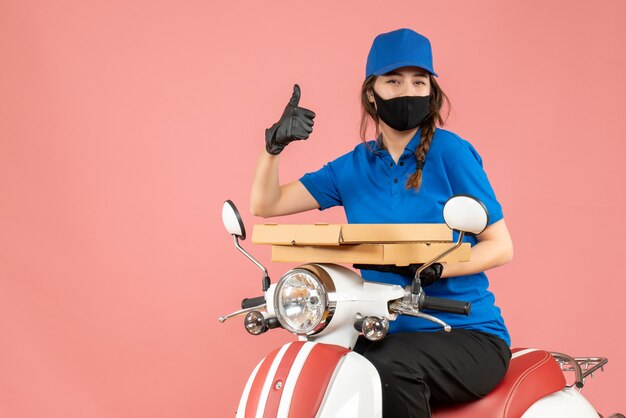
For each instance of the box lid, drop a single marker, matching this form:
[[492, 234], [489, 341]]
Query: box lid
[[339, 234]]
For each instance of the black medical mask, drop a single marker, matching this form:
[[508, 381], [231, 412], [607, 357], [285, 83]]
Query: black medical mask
[[403, 113]]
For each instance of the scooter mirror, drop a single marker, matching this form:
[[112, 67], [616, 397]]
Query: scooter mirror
[[232, 220], [465, 213]]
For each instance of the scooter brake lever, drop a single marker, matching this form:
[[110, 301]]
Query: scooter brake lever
[[223, 319], [402, 308]]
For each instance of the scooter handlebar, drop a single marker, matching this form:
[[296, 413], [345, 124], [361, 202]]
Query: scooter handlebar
[[252, 302], [446, 305]]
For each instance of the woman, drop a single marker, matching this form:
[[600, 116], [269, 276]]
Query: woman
[[405, 176]]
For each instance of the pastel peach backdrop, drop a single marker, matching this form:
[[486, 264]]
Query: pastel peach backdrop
[[124, 125]]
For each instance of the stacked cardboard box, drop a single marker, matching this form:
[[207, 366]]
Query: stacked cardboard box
[[399, 244]]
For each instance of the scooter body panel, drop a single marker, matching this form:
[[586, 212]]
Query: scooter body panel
[[568, 402], [292, 381], [354, 391]]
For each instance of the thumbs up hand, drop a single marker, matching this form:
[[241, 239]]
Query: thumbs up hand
[[296, 123]]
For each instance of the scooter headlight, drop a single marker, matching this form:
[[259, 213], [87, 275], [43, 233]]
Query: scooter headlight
[[302, 300]]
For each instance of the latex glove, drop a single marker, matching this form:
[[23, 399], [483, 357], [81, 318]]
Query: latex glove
[[296, 123], [429, 276]]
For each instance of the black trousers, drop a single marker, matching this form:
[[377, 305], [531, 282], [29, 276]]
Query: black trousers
[[423, 369]]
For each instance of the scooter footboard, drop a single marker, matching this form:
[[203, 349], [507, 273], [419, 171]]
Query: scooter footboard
[[296, 379]]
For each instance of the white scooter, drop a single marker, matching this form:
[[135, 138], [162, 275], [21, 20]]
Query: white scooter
[[328, 306]]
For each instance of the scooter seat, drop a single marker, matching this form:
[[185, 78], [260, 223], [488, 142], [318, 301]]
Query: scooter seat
[[532, 374]]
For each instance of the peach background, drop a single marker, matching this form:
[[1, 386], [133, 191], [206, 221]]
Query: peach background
[[125, 124]]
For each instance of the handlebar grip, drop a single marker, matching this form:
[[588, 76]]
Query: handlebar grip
[[446, 305], [252, 302]]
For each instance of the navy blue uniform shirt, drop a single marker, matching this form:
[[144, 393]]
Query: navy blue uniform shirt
[[372, 189]]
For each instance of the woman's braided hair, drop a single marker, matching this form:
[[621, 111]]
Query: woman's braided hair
[[428, 126]]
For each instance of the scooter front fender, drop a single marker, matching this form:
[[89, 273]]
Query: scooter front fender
[[307, 379]]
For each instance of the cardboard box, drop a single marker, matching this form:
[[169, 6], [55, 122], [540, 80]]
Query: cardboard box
[[399, 254], [339, 234]]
